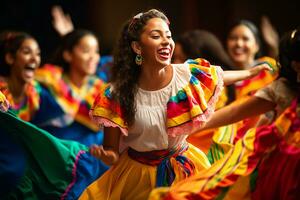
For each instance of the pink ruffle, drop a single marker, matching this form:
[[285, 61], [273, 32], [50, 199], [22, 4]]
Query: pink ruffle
[[196, 122], [187, 128], [107, 123], [73, 174]]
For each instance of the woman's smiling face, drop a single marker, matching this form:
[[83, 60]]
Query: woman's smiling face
[[26, 60], [242, 46], [156, 44], [85, 56]]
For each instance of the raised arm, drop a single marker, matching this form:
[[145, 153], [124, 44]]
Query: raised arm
[[270, 36], [62, 22], [238, 111], [232, 76], [109, 152]]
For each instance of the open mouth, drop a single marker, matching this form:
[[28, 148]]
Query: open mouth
[[29, 71], [31, 67], [164, 53]]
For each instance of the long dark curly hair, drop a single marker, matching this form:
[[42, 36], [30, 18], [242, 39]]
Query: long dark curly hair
[[289, 50], [125, 72]]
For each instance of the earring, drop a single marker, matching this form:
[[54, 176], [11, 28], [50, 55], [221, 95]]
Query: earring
[[138, 59]]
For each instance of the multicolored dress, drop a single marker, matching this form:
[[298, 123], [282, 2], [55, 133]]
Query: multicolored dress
[[36, 165], [274, 148], [224, 136], [216, 142], [154, 151], [36, 99], [27, 108], [281, 166], [75, 103]]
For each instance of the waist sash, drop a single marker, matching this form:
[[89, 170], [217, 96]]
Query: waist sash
[[162, 159]]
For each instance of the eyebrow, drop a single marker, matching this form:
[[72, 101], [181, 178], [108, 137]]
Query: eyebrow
[[156, 30], [27, 47]]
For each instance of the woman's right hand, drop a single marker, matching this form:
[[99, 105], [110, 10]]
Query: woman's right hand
[[109, 157], [62, 22]]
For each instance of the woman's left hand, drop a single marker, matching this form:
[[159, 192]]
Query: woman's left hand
[[109, 157]]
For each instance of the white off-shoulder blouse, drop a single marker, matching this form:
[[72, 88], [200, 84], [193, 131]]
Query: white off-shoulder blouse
[[166, 116]]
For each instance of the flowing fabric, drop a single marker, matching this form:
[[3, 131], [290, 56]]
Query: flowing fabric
[[40, 166], [194, 103], [211, 141], [249, 86], [133, 180], [165, 174], [72, 103], [243, 158], [244, 89], [281, 166], [189, 101]]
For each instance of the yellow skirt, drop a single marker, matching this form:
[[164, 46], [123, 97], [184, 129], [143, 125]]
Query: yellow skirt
[[129, 179]]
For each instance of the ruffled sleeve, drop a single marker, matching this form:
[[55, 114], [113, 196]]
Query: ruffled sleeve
[[195, 102], [107, 112]]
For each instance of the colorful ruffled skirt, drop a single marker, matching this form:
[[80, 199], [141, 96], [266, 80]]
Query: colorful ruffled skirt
[[273, 151], [36, 165], [132, 179]]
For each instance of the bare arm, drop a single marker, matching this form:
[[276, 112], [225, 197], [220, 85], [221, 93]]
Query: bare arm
[[232, 76], [109, 152], [238, 111], [270, 36], [62, 22]]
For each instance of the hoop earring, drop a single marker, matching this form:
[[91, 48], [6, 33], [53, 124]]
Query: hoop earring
[[138, 59]]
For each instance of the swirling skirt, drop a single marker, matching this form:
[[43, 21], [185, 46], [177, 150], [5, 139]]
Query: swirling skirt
[[130, 179], [36, 165]]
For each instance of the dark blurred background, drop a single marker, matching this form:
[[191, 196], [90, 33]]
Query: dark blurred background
[[105, 17]]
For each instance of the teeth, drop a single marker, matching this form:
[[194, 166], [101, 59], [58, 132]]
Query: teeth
[[31, 66], [166, 51]]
